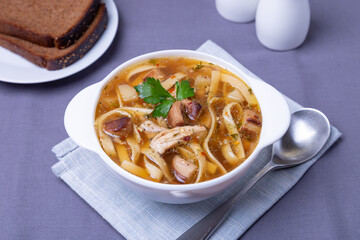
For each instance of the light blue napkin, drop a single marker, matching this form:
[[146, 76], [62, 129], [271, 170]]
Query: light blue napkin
[[138, 218]]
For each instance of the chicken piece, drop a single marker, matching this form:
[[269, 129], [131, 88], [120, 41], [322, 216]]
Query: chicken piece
[[120, 127], [156, 73], [161, 122], [176, 114], [251, 116], [172, 137], [150, 128], [183, 170], [251, 123]]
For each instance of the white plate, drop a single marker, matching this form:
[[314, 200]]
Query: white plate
[[15, 69]]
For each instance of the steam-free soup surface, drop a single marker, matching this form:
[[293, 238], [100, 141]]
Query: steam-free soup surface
[[177, 120]]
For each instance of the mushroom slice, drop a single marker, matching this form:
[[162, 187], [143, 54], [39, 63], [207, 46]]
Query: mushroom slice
[[176, 114], [120, 127], [176, 136], [193, 109], [183, 170]]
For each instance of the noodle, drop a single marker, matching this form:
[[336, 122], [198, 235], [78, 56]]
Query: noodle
[[168, 83], [121, 104], [206, 142], [154, 171], [140, 69], [245, 90], [232, 129], [135, 149], [201, 160], [157, 159], [215, 79]]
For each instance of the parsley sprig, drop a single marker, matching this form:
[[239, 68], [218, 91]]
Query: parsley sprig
[[151, 91], [183, 90]]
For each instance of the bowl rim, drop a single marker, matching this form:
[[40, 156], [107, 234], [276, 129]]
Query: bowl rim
[[246, 77]]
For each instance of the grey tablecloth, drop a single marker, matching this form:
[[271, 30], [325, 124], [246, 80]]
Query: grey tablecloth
[[324, 73]]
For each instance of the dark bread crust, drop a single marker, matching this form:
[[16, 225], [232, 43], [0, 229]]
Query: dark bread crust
[[85, 43], [13, 45], [64, 40], [53, 58], [77, 31]]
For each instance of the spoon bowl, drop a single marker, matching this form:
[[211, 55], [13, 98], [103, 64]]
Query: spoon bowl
[[307, 134], [308, 131]]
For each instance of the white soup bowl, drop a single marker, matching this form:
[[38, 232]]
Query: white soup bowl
[[80, 116]]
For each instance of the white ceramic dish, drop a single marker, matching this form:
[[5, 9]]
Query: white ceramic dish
[[79, 124], [15, 69]]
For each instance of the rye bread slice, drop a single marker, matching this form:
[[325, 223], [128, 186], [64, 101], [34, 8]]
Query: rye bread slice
[[54, 58], [47, 23]]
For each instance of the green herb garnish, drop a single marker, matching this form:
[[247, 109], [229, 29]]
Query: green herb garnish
[[183, 90], [163, 109], [250, 90], [198, 66], [152, 92]]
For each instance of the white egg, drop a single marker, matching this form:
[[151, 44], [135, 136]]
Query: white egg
[[282, 24], [237, 10]]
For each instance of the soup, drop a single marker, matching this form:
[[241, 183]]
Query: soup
[[177, 120]]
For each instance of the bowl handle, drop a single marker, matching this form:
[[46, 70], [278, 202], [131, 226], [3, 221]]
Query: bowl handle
[[79, 118], [275, 112]]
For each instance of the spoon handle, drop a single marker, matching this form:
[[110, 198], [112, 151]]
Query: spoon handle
[[206, 226]]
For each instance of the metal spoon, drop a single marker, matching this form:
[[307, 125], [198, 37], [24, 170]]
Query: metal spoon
[[308, 131]]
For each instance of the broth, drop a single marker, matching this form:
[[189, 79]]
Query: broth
[[202, 134]]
